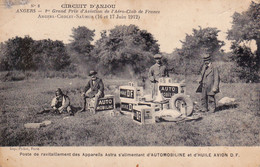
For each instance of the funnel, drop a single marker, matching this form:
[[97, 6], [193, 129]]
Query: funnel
[[159, 97]]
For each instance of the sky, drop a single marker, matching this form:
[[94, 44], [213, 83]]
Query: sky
[[176, 19]]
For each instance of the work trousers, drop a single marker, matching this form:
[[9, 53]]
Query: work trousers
[[65, 110], [154, 87], [208, 102], [90, 101]]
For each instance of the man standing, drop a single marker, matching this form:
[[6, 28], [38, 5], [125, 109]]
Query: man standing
[[155, 72], [61, 103], [209, 84], [93, 89]]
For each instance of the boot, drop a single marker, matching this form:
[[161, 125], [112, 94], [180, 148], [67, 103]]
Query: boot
[[71, 113]]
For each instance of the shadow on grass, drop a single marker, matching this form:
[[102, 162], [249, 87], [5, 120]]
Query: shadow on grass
[[75, 109], [226, 107]]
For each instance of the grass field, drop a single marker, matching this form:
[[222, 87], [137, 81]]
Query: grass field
[[236, 125]]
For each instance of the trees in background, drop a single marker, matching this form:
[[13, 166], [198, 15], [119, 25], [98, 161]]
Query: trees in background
[[17, 54], [81, 40], [125, 48], [50, 55], [247, 63], [27, 54], [246, 28], [80, 49], [189, 55]]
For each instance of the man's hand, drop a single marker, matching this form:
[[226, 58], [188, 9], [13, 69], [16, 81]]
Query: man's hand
[[98, 94], [83, 94], [61, 109], [56, 102], [199, 80], [214, 90]]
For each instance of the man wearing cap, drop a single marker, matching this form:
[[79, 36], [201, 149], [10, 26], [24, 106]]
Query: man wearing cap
[[155, 72], [93, 89], [61, 103], [209, 84]]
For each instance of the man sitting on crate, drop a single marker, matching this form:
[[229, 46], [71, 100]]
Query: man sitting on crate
[[157, 71], [93, 90], [61, 103], [209, 84]]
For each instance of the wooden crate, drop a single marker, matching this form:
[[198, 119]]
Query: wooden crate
[[130, 93], [143, 115], [156, 106], [127, 107]]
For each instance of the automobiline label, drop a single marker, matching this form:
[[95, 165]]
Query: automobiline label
[[168, 91], [105, 104]]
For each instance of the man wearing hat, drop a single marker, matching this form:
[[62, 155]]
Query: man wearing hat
[[209, 84], [157, 71], [93, 89], [61, 103]]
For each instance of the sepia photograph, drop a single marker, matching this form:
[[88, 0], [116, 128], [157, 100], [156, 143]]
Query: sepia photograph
[[130, 75]]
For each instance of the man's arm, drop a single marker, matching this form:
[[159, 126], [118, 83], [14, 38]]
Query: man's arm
[[53, 103], [101, 87], [166, 72], [87, 87], [201, 73], [151, 75], [215, 87], [66, 101]]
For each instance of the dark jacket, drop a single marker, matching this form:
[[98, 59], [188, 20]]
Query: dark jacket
[[157, 71], [64, 103], [209, 79], [97, 86]]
